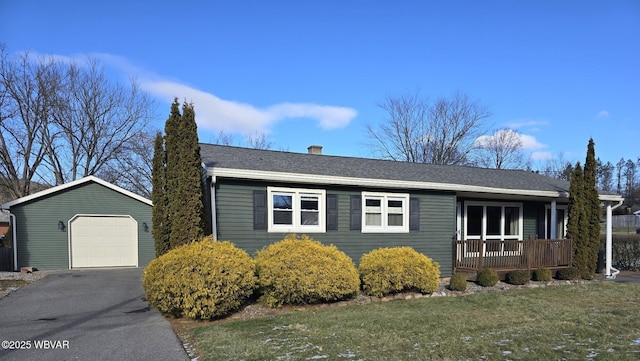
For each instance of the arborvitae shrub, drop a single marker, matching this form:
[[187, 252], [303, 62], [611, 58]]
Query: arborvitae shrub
[[518, 277], [458, 282], [542, 274], [488, 277], [300, 270], [200, 280], [568, 274], [386, 271]]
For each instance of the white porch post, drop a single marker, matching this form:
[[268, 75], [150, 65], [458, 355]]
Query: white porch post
[[609, 240], [554, 220]]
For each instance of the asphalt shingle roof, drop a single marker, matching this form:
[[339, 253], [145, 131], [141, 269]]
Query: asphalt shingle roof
[[218, 156]]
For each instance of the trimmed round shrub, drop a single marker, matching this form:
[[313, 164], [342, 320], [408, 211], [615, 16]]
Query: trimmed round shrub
[[386, 271], [488, 277], [300, 270], [200, 280], [587, 275], [458, 282], [542, 274], [571, 273], [518, 277]]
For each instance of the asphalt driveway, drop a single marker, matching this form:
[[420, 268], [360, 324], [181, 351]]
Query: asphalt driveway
[[85, 315]]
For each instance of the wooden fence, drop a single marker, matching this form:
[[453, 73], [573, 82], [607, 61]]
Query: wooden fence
[[626, 221], [476, 254]]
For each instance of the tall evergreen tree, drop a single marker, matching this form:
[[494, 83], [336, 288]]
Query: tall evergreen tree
[[577, 223], [184, 176], [159, 215], [592, 212], [584, 215]]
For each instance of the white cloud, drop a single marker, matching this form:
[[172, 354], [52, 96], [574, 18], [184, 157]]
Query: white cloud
[[603, 114], [528, 142], [218, 114], [541, 156], [532, 125]]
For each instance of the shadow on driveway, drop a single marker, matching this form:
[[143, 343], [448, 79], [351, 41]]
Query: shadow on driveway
[[85, 315]]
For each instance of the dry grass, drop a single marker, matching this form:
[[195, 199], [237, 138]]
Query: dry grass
[[595, 321]]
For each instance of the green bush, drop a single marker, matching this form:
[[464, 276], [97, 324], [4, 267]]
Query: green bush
[[625, 251], [458, 282], [200, 280], [386, 271], [488, 277], [571, 273], [518, 277], [542, 274], [587, 275], [300, 270]]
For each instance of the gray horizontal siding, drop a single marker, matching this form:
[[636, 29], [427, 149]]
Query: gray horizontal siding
[[437, 224], [42, 245]]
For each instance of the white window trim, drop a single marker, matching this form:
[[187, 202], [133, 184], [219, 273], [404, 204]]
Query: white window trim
[[296, 193], [385, 228], [502, 237], [563, 207], [484, 220]]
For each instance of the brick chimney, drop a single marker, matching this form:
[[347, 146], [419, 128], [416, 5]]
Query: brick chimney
[[315, 149]]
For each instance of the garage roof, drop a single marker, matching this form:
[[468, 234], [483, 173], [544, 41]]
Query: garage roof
[[77, 182]]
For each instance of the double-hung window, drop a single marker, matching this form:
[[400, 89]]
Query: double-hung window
[[385, 212], [296, 210]]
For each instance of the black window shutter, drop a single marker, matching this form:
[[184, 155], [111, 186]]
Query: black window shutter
[[356, 213], [414, 214], [332, 212], [260, 210]]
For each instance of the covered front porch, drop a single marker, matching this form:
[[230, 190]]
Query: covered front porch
[[473, 255], [525, 232]]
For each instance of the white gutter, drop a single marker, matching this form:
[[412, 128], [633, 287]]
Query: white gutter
[[372, 182], [609, 241]]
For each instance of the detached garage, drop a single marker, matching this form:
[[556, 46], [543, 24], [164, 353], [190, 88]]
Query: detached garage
[[87, 223]]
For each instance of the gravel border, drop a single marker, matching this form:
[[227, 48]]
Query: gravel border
[[27, 277]]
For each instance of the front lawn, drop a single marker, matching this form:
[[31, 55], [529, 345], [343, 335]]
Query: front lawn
[[593, 321]]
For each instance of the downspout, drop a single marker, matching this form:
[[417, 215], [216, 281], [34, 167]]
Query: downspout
[[14, 239], [212, 192], [609, 242]]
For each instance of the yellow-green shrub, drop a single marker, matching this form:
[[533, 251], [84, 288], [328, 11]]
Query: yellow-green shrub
[[300, 270], [488, 277], [390, 270], [458, 282], [542, 274], [200, 280]]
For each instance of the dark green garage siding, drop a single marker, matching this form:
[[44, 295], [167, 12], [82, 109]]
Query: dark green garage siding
[[234, 207], [42, 245]]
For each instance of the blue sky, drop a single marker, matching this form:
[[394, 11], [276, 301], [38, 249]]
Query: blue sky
[[313, 72]]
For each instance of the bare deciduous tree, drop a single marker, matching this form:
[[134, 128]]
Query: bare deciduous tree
[[61, 121], [556, 167], [438, 132], [97, 120], [502, 150], [257, 140], [131, 165], [27, 95]]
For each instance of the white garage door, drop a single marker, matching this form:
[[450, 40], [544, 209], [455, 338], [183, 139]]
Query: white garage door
[[103, 241]]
